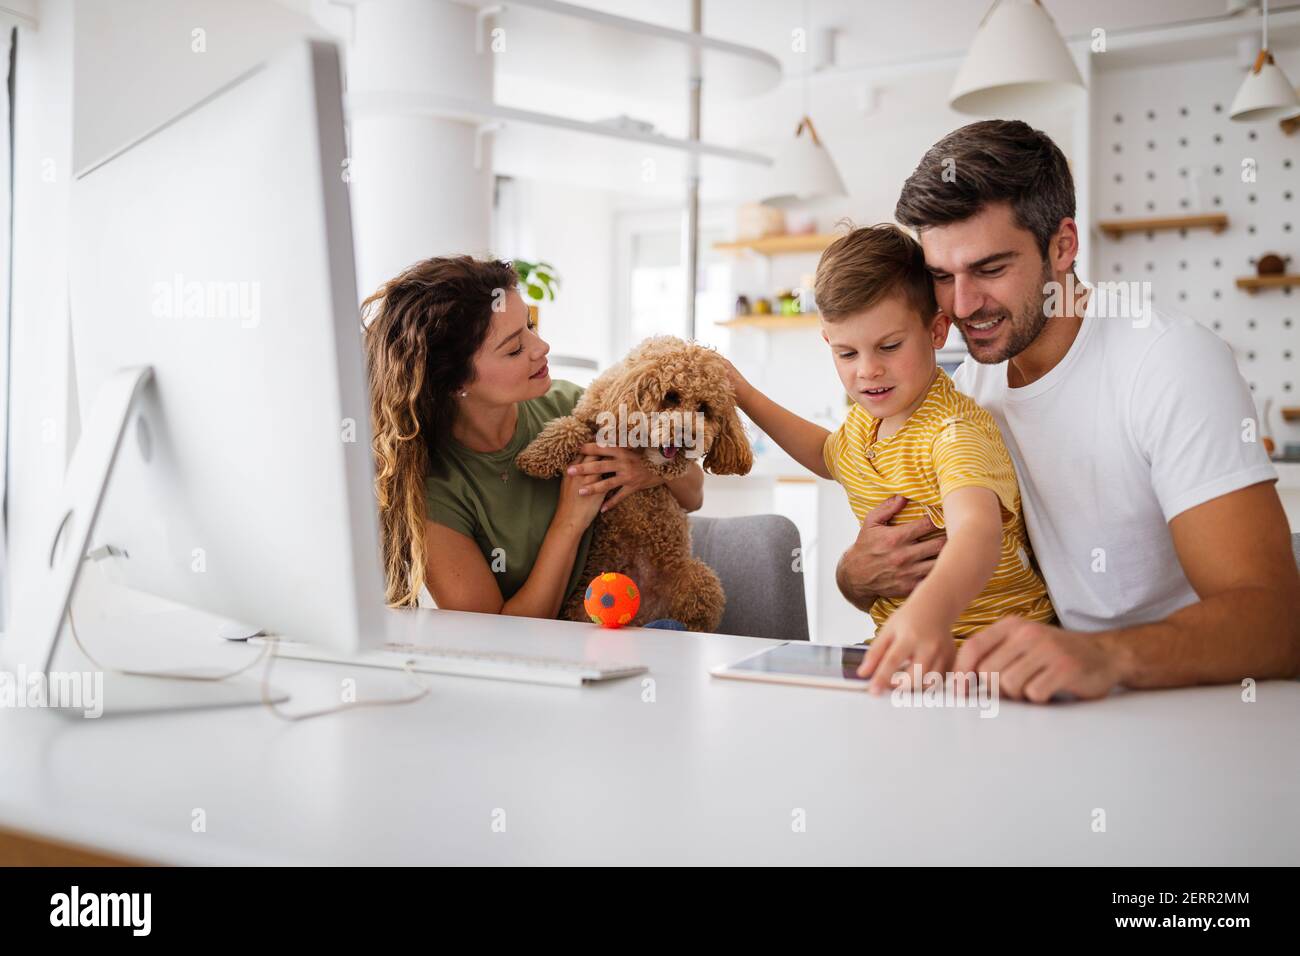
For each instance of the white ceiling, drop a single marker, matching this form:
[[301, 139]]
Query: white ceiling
[[885, 31]]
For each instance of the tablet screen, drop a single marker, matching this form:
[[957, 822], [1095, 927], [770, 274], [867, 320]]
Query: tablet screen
[[806, 660]]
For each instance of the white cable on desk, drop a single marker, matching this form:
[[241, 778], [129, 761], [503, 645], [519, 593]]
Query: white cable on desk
[[268, 651], [76, 638], [272, 641]]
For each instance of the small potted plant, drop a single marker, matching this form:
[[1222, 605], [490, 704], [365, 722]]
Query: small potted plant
[[538, 282]]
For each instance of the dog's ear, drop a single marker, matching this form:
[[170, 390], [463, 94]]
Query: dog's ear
[[639, 389], [554, 449], [730, 453]]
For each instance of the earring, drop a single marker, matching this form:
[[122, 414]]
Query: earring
[[463, 394]]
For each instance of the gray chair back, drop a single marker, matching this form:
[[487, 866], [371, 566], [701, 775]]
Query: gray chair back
[[754, 557]]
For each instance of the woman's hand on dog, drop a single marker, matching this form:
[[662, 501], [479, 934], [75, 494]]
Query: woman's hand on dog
[[578, 506], [610, 468]]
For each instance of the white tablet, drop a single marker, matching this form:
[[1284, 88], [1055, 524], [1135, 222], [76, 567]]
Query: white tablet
[[815, 665]]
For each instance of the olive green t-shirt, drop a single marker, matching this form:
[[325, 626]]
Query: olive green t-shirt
[[507, 513]]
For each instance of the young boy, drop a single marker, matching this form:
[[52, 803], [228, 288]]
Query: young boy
[[911, 433]]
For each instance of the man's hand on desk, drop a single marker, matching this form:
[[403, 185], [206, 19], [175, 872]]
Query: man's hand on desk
[[1034, 661], [887, 560]]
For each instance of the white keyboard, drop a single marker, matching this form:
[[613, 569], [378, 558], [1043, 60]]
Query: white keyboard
[[493, 665]]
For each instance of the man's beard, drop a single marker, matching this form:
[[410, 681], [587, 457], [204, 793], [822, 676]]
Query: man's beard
[[1024, 327]]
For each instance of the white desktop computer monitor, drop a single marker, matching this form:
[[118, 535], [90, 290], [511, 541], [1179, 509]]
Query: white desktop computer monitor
[[215, 323]]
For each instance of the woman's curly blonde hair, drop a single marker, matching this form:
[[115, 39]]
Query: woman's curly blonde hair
[[421, 332]]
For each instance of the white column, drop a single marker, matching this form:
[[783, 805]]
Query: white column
[[415, 189]]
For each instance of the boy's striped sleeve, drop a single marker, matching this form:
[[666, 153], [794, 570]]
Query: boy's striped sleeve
[[965, 454], [836, 445]]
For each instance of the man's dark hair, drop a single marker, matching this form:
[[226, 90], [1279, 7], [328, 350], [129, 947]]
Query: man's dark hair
[[987, 162]]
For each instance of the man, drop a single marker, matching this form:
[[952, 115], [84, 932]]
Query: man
[[1150, 505]]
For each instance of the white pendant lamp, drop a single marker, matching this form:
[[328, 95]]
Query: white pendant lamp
[[1017, 62], [802, 169], [1266, 93], [1292, 119]]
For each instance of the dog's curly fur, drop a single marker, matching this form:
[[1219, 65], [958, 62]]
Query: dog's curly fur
[[646, 536]]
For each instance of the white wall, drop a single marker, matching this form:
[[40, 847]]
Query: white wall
[[573, 229], [1166, 147]]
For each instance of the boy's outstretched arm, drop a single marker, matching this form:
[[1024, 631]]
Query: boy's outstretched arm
[[802, 440], [921, 630]]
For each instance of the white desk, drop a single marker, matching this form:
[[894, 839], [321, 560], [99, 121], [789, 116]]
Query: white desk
[[711, 772]]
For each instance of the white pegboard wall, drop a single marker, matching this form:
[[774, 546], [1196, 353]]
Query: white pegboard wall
[[1163, 145]]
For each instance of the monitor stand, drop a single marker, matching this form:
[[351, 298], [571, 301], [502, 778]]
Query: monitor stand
[[33, 647]]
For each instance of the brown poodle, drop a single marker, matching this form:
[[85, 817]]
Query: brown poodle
[[673, 399]]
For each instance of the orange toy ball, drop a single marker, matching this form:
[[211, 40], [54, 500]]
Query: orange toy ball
[[612, 599]]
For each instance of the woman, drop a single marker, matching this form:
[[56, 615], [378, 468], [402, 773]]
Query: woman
[[459, 386]]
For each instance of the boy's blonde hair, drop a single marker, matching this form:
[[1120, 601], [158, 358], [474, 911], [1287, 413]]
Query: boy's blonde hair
[[859, 269]]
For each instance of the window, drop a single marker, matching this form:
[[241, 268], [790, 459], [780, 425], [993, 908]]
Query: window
[[651, 279]]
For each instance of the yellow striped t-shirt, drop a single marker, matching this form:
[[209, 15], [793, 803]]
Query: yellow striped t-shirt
[[949, 442]]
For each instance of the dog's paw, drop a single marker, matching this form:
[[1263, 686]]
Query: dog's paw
[[554, 448], [536, 461]]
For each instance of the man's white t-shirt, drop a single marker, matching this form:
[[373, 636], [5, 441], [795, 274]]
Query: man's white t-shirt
[[1136, 424]]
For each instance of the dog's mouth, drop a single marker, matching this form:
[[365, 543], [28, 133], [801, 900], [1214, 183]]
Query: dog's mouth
[[663, 455]]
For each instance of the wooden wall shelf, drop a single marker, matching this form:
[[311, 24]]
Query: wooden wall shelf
[[800, 321], [1115, 228], [1253, 284], [780, 245]]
